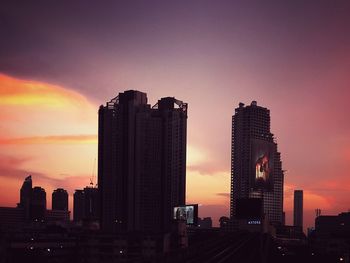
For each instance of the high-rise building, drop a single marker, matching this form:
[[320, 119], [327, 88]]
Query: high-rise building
[[141, 162], [91, 203], [60, 199], [26, 196], [86, 204], [298, 208], [78, 205], [38, 204], [256, 167]]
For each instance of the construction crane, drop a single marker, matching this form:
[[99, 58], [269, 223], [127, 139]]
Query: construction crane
[[93, 174]]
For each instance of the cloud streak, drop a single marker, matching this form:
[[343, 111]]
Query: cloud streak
[[227, 195], [58, 139], [15, 92]]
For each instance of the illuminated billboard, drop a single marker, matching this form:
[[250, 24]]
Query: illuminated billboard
[[262, 164], [189, 213]]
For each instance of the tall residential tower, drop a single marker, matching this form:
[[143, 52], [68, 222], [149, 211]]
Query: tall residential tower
[[256, 168], [298, 208], [141, 162], [60, 199]]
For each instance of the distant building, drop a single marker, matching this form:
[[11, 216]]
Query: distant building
[[60, 199], [141, 162], [32, 208], [333, 225], [86, 204], [206, 222], [298, 209], [92, 203], [331, 235], [32, 201], [26, 197], [78, 205], [11, 217], [256, 167], [57, 215], [38, 204], [289, 232]]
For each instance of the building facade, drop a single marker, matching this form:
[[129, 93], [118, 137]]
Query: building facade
[[78, 205], [26, 197], [38, 204], [256, 167], [298, 209], [60, 199], [141, 162], [86, 204]]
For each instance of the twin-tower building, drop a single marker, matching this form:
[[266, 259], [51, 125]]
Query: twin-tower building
[[141, 162]]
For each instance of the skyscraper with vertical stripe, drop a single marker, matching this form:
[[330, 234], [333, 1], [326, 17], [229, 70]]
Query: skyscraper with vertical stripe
[[256, 167]]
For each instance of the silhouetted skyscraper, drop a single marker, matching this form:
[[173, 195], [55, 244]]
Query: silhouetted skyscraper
[[38, 203], [86, 204], [298, 208], [78, 205], [256, 168], [26, 196], [60, 199], [91, 203], [141, 162]]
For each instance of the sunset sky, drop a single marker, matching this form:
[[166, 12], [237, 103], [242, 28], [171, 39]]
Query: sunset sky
[[60, 60]]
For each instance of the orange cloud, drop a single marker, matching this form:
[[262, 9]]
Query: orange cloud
[[60, 139], [26, 92], [35, 109]]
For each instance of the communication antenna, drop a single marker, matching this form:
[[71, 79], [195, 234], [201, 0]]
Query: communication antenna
[[93, 174], [317, 212]]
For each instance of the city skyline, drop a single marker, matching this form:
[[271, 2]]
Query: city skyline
[[292, 59]]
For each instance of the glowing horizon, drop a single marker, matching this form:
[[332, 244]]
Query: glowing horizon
[[205, 185]]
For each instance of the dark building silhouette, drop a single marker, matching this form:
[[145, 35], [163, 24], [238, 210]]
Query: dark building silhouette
[[91, 203], [32, 208], [206, 222], [337, 225], [78, 205], [331, 236], [38, 204], [26, 196], [298, 209], [86, 204], [256, 168], [141, 162], [60, 199], [11, 217], [57, 216]]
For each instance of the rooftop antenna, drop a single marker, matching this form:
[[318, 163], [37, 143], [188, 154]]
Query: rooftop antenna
[[93, 174], [318, 212]]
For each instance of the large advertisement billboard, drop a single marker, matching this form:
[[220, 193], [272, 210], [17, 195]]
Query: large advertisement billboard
[[262, 162], [189, 213]]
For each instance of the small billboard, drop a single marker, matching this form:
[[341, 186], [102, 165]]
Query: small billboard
[[189, 213]]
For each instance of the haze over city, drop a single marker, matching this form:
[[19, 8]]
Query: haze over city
[[60, 61]]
